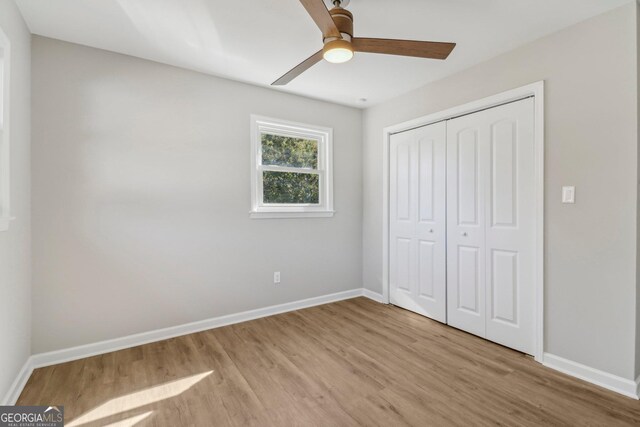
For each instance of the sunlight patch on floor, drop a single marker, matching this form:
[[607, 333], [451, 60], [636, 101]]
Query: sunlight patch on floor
[[138, 399], [130, 422]]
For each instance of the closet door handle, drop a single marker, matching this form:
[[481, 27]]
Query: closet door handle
[[464, 234]]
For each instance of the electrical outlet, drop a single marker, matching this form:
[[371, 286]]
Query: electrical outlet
[[276, 277], [568, 194]]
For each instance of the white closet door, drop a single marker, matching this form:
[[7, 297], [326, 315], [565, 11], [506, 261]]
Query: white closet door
[[466, 172], [418, 220], [511, 227], [491, 232]]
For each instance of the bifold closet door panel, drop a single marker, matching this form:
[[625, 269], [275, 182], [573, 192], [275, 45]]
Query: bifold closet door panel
[[510, 235], [418, 220], [491, 224], [466, 172]]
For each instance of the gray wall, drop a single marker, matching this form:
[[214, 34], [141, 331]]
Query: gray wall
[[141, 199], [592, 143], [15, 276]]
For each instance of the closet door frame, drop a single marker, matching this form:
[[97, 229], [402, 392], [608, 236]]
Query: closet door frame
[[535, 90]]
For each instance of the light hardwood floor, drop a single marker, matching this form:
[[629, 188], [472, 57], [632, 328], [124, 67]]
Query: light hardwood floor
[[354, 362]]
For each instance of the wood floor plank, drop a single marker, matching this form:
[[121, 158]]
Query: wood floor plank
[[349, 363]]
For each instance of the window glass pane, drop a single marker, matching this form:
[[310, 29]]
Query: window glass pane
[[290, 187], [291, 152]]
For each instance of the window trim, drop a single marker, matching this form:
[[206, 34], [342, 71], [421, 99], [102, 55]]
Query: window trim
[[324, 136], [5, 132]]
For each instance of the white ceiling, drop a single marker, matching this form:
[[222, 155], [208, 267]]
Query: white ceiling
[[257, 41]]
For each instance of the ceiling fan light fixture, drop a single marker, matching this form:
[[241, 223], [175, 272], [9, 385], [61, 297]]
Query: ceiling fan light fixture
[[337, 51], [336, 26]]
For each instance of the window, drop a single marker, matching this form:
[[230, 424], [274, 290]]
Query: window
[[291, 169], [4, 132]]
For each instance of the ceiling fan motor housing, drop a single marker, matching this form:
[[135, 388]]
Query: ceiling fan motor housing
[[344, 21]]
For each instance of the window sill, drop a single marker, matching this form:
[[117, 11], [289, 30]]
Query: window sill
[[280, 215], [4, 222]]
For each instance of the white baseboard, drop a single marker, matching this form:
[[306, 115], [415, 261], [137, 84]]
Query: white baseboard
[[609, 381], [102, 347], [93, 349], [18, 384], [603, 379], [373, 295]]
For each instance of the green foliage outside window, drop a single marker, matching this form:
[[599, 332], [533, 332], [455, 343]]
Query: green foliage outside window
[[290, 187], [291, 152]]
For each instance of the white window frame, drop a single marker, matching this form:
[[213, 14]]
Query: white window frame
[[324, 136], [5, 63]]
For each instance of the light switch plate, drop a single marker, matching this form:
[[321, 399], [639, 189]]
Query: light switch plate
[[568, 194]]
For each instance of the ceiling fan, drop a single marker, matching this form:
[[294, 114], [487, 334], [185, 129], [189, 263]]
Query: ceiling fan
[[339, 44]]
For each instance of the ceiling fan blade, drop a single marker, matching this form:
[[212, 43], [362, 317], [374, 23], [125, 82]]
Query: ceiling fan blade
[[322, 18], [433, 50], [299, 69]]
